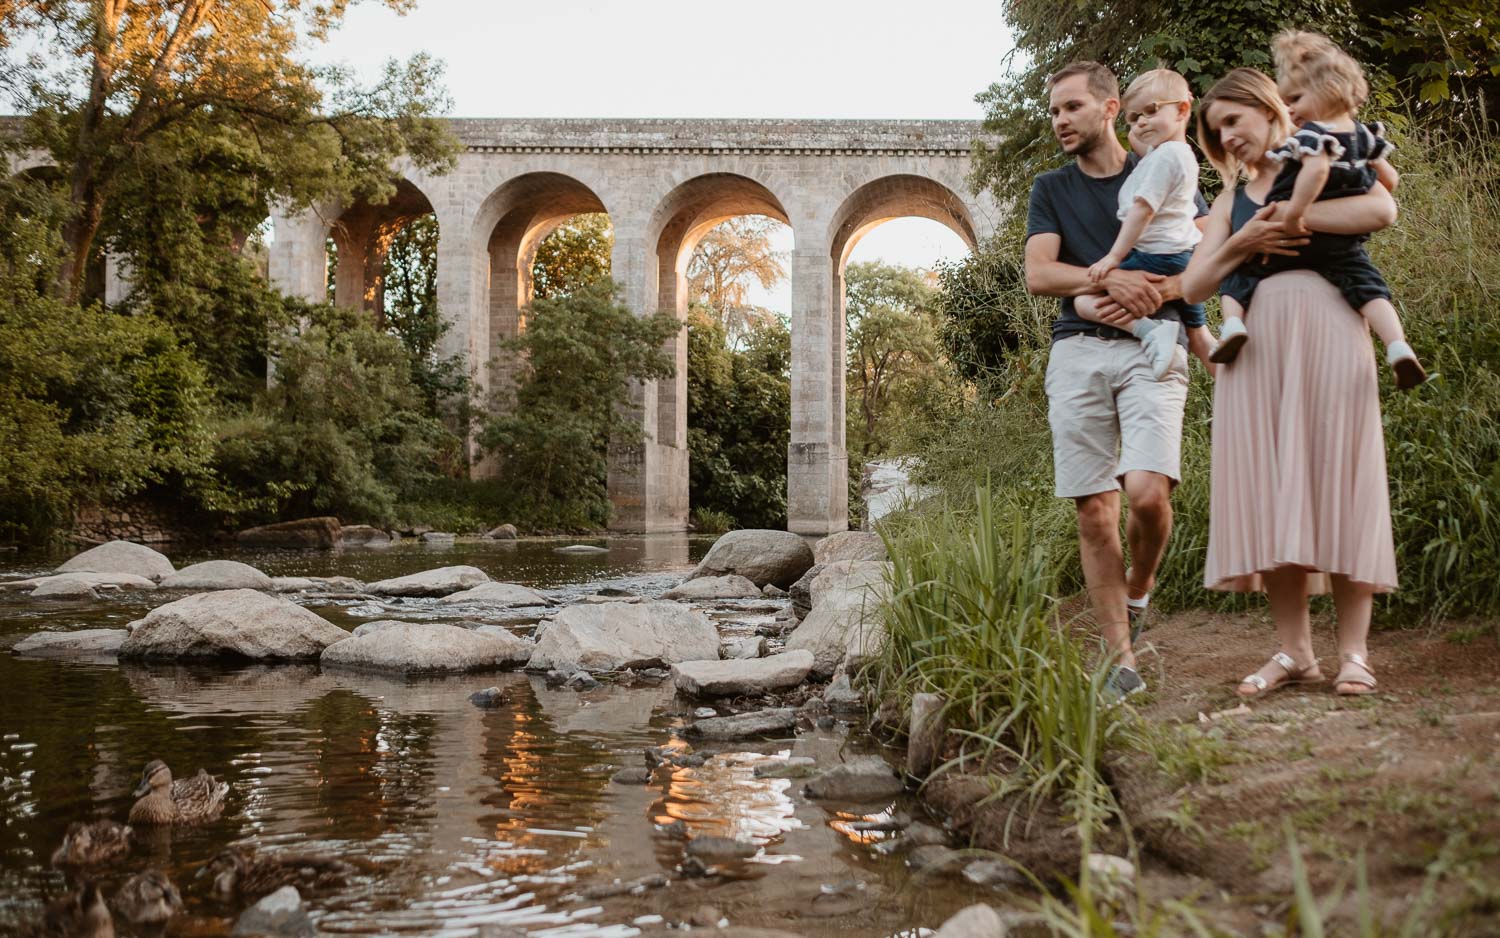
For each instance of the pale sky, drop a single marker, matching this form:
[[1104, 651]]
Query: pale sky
[[673, 58]]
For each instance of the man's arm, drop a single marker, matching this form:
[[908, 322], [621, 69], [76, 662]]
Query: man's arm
[[1137, 292]]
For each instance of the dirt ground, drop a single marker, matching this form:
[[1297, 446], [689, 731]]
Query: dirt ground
[[1405, 782]]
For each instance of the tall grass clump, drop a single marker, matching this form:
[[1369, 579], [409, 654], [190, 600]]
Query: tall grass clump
[[972, 615]]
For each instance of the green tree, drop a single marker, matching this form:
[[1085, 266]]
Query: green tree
[[739, 420], [127, 85], [893, 349], [726, 262], [577, 252], [551, 433]]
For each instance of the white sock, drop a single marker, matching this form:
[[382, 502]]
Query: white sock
[[1138, 604]]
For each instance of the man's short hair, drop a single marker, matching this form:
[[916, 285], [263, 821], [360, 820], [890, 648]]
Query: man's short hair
[[1102, 82]]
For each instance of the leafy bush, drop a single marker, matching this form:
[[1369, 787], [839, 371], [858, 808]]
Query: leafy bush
[[581, 351], [340, 431]]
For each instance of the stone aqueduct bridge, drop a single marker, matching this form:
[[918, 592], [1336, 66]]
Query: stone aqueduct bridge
[[664, 184]]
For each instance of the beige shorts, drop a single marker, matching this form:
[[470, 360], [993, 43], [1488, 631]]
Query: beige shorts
[[1109, 416]]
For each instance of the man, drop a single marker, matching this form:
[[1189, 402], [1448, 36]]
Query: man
[[1113, 424]]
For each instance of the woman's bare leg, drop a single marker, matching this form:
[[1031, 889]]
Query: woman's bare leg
[[1354, 603], [1286, 589]]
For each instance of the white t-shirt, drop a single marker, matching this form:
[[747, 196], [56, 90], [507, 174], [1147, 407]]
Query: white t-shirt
[[1165, 179]]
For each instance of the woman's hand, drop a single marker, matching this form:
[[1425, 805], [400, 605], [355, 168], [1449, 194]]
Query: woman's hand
[[1267, 232]]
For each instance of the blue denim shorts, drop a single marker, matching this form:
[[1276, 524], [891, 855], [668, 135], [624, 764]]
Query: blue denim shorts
[[1167, 265]]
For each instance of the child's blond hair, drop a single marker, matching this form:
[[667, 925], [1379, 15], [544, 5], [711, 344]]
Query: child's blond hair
[[1313, 63], [1164, 83]]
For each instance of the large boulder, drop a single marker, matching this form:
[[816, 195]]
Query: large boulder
[[760, 556], [742, 676], [610, 636], [309, 533], [363, 535], [499, 594], [414, 648], [503, 532], [218, 575], [440, 582], [83, 643], [120, 557], [714, 587], [237, 623], [849, 545], [864, 577], [844, 627]]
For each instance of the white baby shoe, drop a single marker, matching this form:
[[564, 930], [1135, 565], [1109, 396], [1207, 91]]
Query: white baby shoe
[[1160, 345], [1232, 337]]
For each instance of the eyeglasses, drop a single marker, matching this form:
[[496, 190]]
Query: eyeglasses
[[1148, 110]]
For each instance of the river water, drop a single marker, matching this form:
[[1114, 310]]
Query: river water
[[455, 816]]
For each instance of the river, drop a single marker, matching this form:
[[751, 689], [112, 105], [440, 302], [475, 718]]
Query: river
[[455, 816]]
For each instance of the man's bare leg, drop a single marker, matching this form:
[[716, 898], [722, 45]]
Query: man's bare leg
[[1148, 528], [1104, 569]]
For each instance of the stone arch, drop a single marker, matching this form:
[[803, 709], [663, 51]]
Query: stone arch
[[898, 196], [510, 223], [362, 234]]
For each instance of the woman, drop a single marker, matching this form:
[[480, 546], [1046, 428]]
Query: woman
[[1299, 501]]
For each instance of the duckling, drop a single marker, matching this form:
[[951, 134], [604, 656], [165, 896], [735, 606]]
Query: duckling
[[185, 801], [88, 843], [240, 874], [148, 898], [79, 914]]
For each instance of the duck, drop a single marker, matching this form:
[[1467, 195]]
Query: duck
[[89, 843], [241, 874], [184, 801], [148, 898], [79, 914]]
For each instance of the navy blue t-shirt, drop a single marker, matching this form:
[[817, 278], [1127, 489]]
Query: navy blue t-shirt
[[1084, 213]]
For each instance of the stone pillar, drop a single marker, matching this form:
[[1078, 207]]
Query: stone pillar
[[817, 466], [298, 260], [463, 302], [118, 281], [648, 480]]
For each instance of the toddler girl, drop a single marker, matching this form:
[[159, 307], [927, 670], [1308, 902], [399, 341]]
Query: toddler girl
[[1331, 155], [1157, 210]]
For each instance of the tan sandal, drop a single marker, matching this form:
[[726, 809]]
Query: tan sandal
[[1354, 671], [1282, 671]]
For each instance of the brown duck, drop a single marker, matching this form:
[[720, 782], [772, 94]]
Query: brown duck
[[185, 801], [241, 874], [79, 914], [89, 843], [148, 898]]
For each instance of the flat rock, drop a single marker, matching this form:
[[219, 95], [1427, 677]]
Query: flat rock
[[867, 778], [411, 648], [778, 722], [439, 539], [442, 581], [580, 549], [790, 767], [218, 575], [322, 533], [65, 586], [231, 623], [295, 584], [499, 594], [849, 545], [363, 535], [720, 849], [95, 581], [714, 587], [83, 643], [762, 556], [976, 921], [632, 776], [120, 557], [279, 915], [742, 676], [611, 636], [751, 646]]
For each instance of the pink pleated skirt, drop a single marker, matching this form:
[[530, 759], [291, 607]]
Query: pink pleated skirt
[[1298, 475]]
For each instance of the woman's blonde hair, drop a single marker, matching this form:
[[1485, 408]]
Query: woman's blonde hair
[[1311, 63], [1250, 88], [1159, 81]]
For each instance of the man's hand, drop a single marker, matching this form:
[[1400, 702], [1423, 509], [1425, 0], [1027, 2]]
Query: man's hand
[[1138, 292]]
